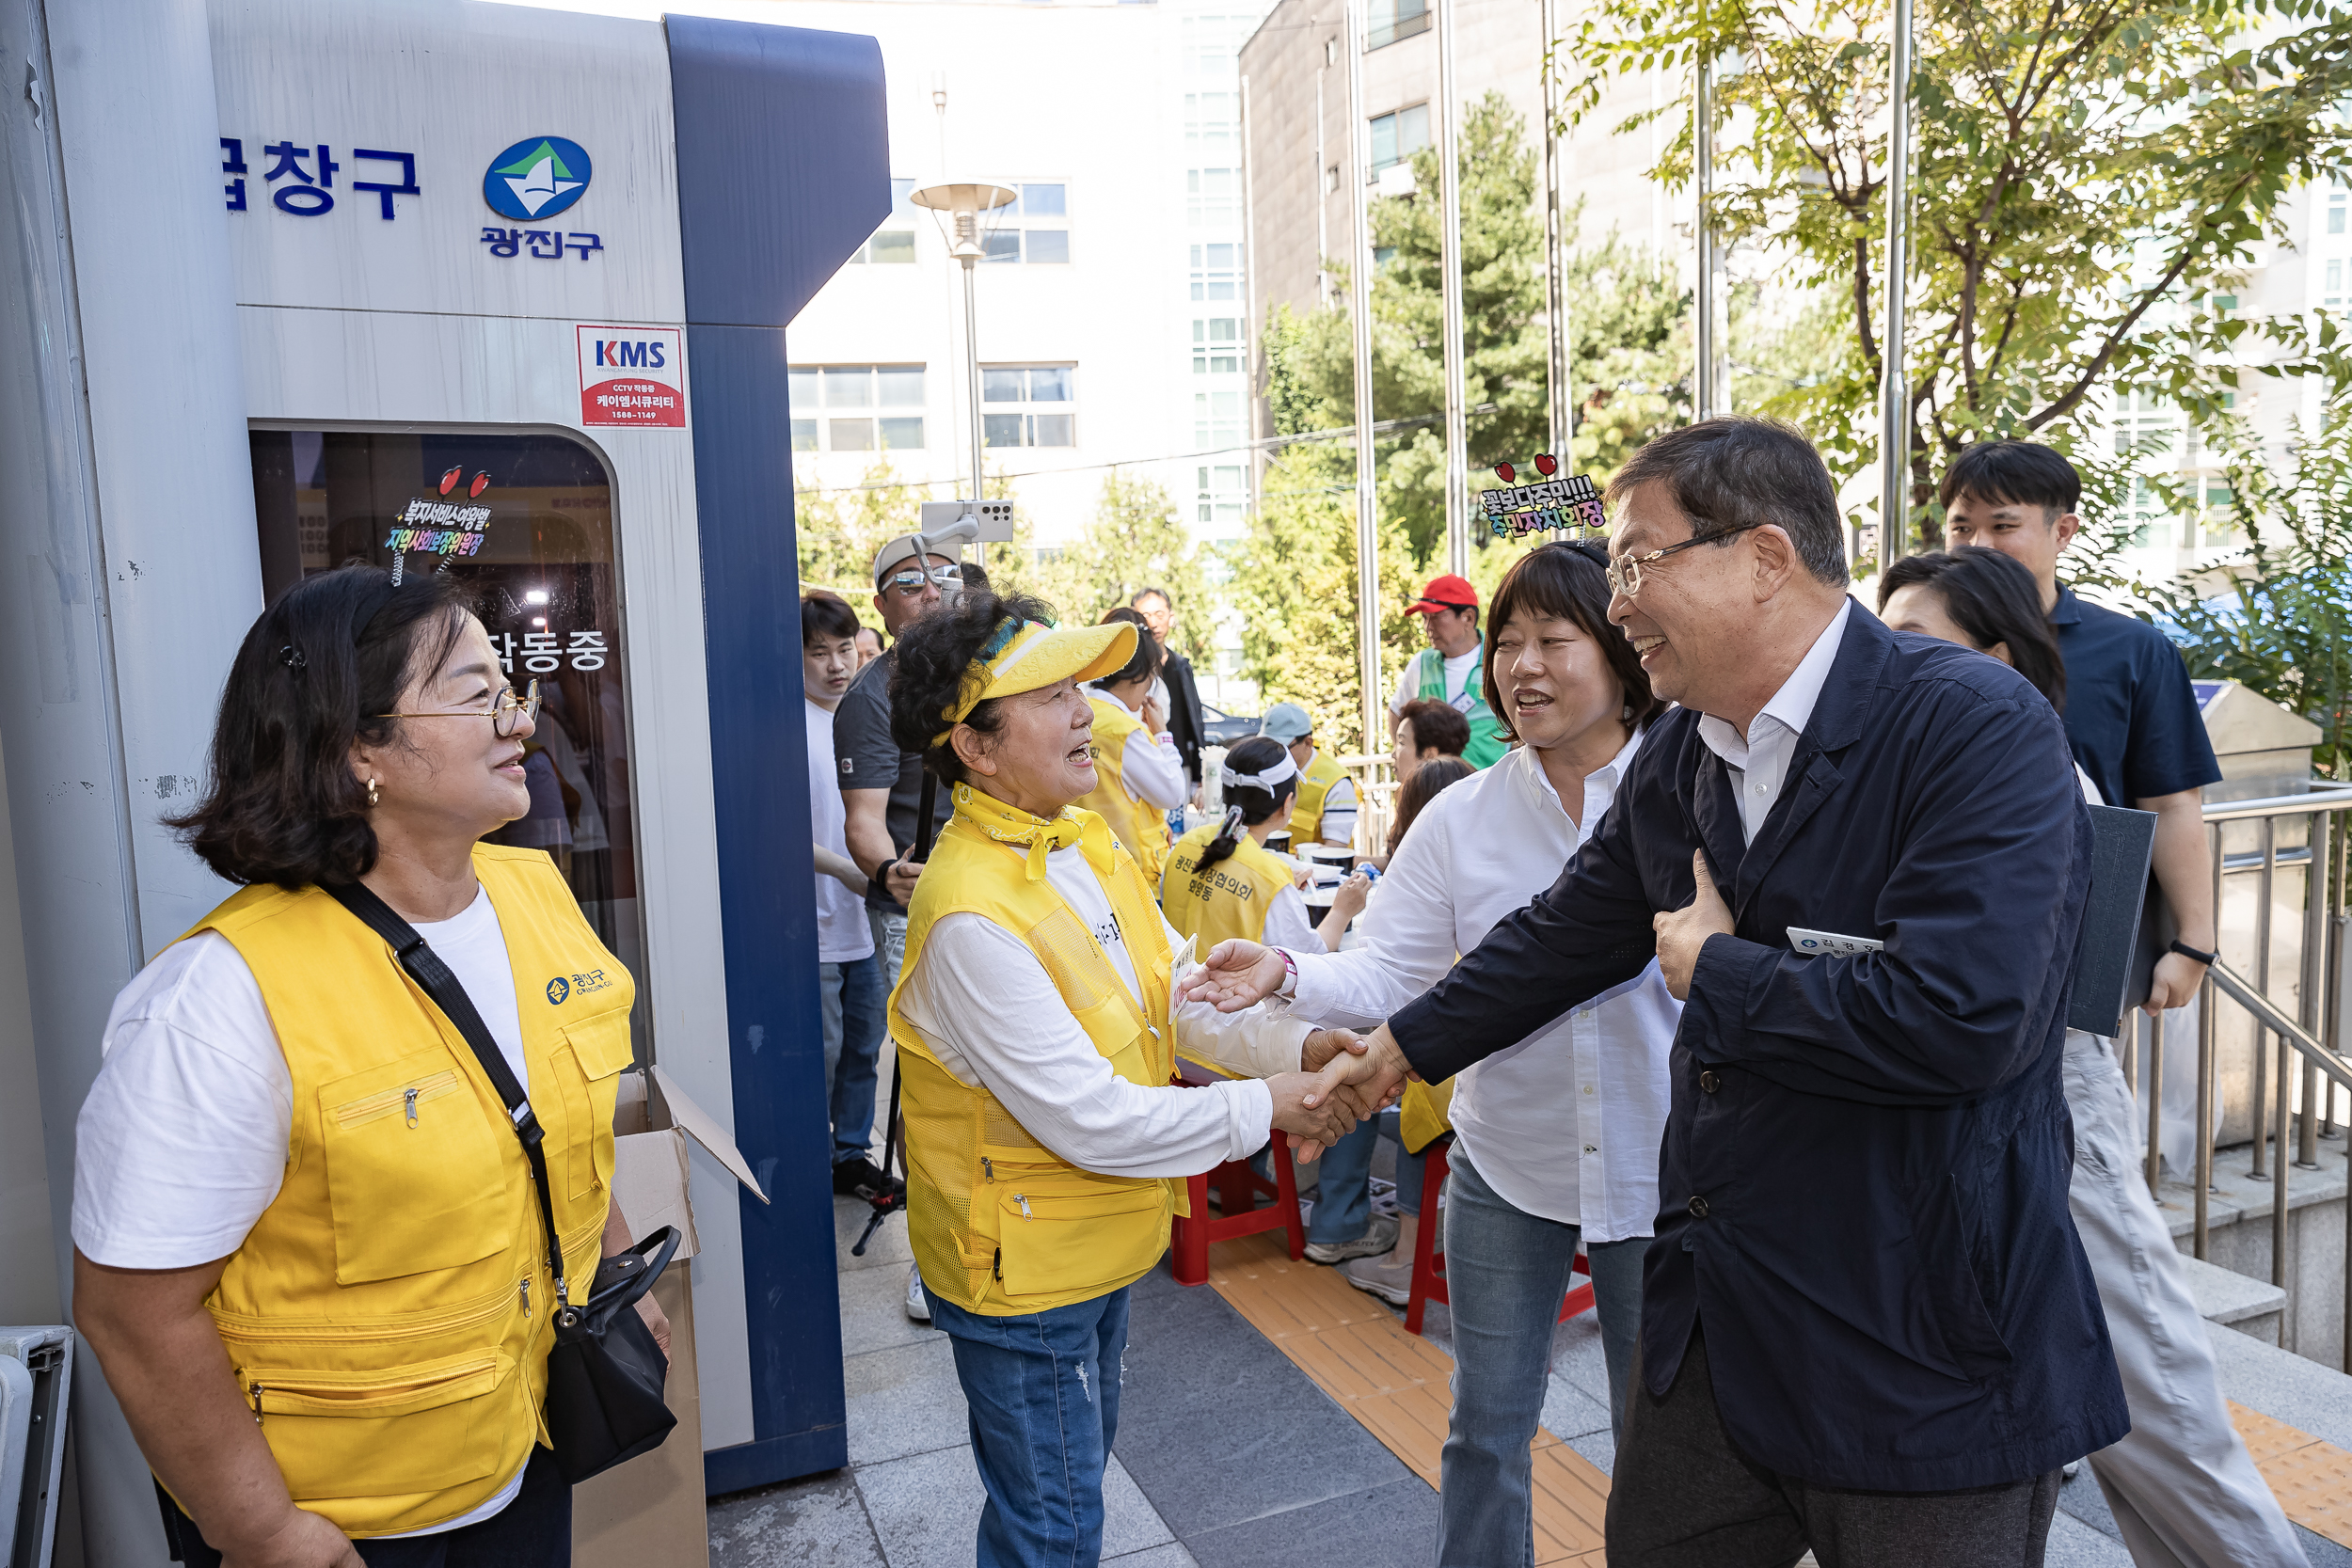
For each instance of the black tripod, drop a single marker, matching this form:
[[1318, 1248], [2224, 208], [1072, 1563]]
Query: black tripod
[[894, 1149]]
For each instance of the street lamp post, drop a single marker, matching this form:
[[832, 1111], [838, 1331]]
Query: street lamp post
[[1894, 386], [1371, 705], [1450, 293], [966, 213]]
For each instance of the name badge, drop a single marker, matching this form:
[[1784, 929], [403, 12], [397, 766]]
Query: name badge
[[1815, 943]]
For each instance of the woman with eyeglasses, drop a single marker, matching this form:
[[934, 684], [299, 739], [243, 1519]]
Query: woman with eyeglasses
[[1556, 1140], [308, 1246]]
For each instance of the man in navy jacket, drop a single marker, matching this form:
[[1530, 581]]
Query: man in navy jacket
[[1867, 1325]]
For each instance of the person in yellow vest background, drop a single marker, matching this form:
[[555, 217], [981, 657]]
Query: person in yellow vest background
[[1140, 778], [1046, 1148], [1325, 812], [1221, 880], [308, 1248]]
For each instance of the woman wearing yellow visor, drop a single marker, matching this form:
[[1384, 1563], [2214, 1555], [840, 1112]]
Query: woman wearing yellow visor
[[1045, 1146]]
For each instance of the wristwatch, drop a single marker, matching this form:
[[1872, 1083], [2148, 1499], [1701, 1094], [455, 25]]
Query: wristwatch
[[2186, 951]]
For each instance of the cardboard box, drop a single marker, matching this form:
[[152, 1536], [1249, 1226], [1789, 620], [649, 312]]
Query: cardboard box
[[651, 1510]]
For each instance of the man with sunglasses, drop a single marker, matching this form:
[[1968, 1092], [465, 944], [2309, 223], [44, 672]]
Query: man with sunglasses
[[1867, 1326], [881, 788]]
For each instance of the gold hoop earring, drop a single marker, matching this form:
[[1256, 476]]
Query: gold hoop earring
[[375, 792]]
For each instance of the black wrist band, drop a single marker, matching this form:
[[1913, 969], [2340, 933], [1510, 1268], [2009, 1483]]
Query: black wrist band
[[2186, 951], [882, 872]]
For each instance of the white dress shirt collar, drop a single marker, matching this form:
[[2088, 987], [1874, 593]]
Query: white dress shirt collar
[[1791, 706], [1601, 782]]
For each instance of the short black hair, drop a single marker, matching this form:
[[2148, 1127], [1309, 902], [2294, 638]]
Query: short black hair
[[1570, 580], [2012, 473], [825, 617], [1436, 725], [1740, 471], [1144, 661], [1993, 599], [974, 577], [934, 655], [314, 676]]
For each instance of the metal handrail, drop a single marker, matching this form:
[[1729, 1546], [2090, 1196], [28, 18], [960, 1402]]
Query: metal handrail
[[2242, 992]]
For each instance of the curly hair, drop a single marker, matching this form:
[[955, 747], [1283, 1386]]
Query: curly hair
[[934, 659], [313, 677]]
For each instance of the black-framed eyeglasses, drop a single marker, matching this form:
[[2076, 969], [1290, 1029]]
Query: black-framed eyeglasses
[[502, 711], [1625, 575]]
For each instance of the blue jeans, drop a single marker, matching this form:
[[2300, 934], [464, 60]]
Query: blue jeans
[[850, 997], [1343, 1189], [1043, 1392], [1506, 1271]]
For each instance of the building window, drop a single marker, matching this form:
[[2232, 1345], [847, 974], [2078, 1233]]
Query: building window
[[1036, 226], [1209, 126], [1028, 406], [1216, 421], [1224, 497], [1330, 53], [1216, 344], [2334, 292], [1213, 197], [1397, 137], [1393, 20], [857, 408], [1331, 180], [1216, 271], [895, 240], [2335, 212]]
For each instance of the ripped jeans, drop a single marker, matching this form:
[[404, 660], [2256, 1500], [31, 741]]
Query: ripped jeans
[[1043, 1392]]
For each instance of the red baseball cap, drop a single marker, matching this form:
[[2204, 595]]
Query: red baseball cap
[[1446, 592]]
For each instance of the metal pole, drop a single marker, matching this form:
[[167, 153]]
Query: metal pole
[[2208, 1029], [972, 361], [2156, 1107], [1894, 386], [1557, 334], [1704, 393], [2262, 979], [1450, 290], [1360, 308], [2315, 966]]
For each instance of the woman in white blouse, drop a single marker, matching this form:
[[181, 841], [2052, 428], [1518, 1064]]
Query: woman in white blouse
[[1555, 1140]]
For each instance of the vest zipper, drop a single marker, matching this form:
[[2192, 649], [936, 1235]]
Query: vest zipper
[[987, 1170], [1025, 1207], [409, 1104], [526, 1297], [256, 1391]]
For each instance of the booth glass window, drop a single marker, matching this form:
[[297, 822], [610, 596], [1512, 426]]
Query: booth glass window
[[546, 582]]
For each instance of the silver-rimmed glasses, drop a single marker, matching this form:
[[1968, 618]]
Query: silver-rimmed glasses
[[1624, 573], [503, 712]]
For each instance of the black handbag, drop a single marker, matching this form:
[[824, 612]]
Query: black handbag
[[605, 1374]]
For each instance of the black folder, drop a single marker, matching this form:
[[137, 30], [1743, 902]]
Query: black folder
[[2111, 970]]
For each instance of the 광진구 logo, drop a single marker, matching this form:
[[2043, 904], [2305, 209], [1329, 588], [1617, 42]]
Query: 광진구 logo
[[536, 178]]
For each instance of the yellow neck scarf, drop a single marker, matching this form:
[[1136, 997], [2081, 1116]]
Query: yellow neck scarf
[[1010, 825]]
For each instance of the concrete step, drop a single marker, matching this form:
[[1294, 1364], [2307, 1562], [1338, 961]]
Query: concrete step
[[2251, 1307], [2309, 1318]]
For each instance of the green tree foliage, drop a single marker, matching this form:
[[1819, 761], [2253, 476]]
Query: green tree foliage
[[2087, 172]]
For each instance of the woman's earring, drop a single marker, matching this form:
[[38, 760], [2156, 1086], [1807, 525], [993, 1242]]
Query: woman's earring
[[375, 792]]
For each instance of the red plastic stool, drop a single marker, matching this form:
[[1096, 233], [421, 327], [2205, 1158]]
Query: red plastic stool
[[1238, 1188], [1429, 1265]]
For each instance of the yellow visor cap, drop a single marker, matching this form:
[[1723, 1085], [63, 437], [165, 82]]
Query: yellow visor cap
[[1030, 655]]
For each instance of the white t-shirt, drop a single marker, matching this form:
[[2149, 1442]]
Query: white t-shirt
[[1459, 671], [183, 1141], [844, 935]]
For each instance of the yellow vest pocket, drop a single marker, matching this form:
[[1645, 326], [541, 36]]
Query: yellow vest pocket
[[1077, 1246], [413, 1175], [419, 1429], [601, 1048]]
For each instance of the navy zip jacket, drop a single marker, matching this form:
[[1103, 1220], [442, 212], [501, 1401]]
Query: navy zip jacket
[[1863, 1183]]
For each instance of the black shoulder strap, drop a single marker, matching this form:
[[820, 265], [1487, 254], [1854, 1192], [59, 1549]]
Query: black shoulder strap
[[436, 979]]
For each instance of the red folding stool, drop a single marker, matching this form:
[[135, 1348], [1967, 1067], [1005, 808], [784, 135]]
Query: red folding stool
[[1429, 1264], [1238, 1187]]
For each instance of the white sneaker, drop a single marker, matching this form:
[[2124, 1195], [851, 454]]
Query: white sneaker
[[919, 1304], [1389, 1277], [1379, 1237]]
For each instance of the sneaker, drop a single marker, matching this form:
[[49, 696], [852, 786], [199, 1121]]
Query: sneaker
[[919, 1304], [1389, 1276], [860, 1178], [1379, 1237]]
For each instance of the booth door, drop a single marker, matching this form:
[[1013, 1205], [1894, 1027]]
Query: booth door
[[525, 522]]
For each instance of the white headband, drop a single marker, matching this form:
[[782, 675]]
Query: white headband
[[1285, 769]]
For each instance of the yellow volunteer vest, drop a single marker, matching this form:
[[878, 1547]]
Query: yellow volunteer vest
[[1314, 782], [1139, 825], [1225, 900], [387, 1318], [999, 1224]]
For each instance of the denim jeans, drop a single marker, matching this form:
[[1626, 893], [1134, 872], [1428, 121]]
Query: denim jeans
[[1342, 1210], [1043, 1393], [1506, 1271], [851, 996]]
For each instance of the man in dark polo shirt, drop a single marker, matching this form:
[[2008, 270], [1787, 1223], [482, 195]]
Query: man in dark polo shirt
[[2182, 1486]]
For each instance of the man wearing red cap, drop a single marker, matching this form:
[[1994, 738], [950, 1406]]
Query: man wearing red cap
[[1451, 669]]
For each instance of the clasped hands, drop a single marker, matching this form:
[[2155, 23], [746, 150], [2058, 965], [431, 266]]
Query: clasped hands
[[1345, 1077]]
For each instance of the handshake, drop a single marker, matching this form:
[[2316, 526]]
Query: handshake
[[1345, 1077]]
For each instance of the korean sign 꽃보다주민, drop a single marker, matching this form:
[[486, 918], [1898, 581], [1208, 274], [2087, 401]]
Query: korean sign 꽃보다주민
[[1539, 508], [632, 375]]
